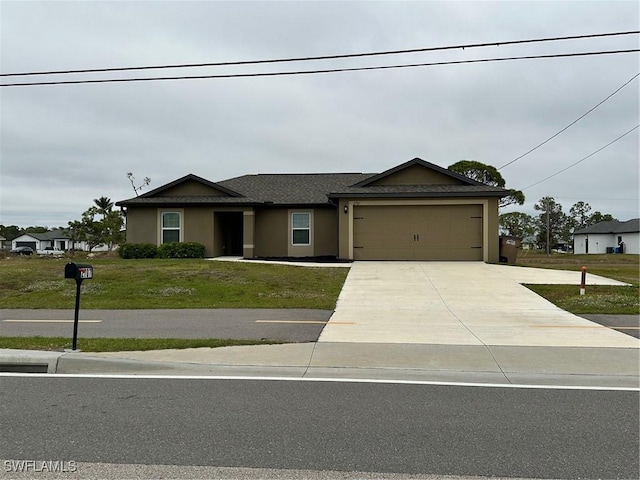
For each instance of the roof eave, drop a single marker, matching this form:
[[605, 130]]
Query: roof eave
[[418, 195]]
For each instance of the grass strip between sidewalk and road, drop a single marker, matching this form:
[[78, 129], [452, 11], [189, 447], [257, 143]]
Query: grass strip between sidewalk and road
[[123, 344]]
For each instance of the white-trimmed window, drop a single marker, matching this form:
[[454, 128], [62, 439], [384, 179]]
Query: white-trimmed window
[[301, 228], [170, 227]]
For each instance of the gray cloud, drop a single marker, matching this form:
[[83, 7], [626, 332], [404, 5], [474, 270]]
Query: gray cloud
[[62, 146]]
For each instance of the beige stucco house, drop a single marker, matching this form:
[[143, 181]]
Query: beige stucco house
[[415, 211]]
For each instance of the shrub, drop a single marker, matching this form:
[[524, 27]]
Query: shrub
[[181, 250], [138, 250]]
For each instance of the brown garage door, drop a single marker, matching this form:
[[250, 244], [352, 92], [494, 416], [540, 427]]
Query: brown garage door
[[417, 232]]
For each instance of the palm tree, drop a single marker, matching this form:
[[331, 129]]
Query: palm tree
[[104, 205]]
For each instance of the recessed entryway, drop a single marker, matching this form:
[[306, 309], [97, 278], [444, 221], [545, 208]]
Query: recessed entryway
[[229, 233]]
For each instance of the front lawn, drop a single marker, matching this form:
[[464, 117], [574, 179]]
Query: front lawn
[[32, 282]]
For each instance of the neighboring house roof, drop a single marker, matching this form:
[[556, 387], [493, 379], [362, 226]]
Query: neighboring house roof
[[312, 188], [614, 226], [52, 235]]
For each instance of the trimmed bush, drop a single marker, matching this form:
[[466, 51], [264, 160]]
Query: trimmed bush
[[138, 250], [181, 250]]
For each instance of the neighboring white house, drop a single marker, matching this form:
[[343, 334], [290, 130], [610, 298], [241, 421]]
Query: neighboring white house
[[606, 237], [55, 238]]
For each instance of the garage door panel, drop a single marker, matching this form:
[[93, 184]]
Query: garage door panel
[[418, 232]]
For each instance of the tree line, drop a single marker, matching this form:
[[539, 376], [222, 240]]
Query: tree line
[[553, 219]]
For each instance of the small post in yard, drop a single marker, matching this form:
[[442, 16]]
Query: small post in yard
[[78, 272], [583, 281]]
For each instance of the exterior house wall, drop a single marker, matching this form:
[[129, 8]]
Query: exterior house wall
[[325, 233], [271, 232], [493, 225], [198, 227], [192, 189], [142, 225], [599, 242], [631, 242], [416, 175]]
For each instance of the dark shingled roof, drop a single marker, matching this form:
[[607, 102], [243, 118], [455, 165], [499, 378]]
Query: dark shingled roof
[[311, 188], [614, 226], [314, 189]]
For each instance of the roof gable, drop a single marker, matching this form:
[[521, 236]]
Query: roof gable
[[417, 172], [191, 186]]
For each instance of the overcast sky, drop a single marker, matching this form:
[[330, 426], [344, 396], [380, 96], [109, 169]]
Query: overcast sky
[[64, 145]]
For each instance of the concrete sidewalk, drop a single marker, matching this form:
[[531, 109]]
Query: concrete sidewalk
[[553, 366]]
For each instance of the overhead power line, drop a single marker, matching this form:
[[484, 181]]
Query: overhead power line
[[582, 159], [312, 72], [572, 123], [326, 57]]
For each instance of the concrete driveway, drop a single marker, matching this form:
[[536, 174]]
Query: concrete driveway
[[461, 303]]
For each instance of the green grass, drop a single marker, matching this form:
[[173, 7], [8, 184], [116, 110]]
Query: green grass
[[625, 268], [31, 282], [603, 299], [599, 299], [121, 344]]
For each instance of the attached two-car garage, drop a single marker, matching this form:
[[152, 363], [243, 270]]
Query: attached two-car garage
[[418, 232]]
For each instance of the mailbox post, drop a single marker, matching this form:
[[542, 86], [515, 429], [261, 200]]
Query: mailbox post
[[78, 272]]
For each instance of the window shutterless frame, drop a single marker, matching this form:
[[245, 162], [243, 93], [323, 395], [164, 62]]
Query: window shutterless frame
[[300, 228], [170, 227]]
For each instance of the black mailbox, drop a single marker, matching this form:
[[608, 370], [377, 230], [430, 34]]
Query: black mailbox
[[78, 271]]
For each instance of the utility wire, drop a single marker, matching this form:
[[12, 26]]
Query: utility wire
[[571, 124], [310, 72], [324, 57], [583, 159]]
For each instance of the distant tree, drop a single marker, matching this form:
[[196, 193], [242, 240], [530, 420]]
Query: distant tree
[[145, 182], [488, 175], [107, 231], [87, 229], [553, 219], [10, 232], [111, 224], [36, 230], [598, 217], [517, 224], [103, 204], [579, 214]]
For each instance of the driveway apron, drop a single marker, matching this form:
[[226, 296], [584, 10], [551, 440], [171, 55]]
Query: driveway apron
[[460, 303]]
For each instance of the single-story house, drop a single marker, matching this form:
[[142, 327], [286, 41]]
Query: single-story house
[[605, 237], [415, 211], [55, 238], [39, 241]]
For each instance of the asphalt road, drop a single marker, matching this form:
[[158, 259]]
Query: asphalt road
[[629, 324], [346, 427], [291, 325]]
